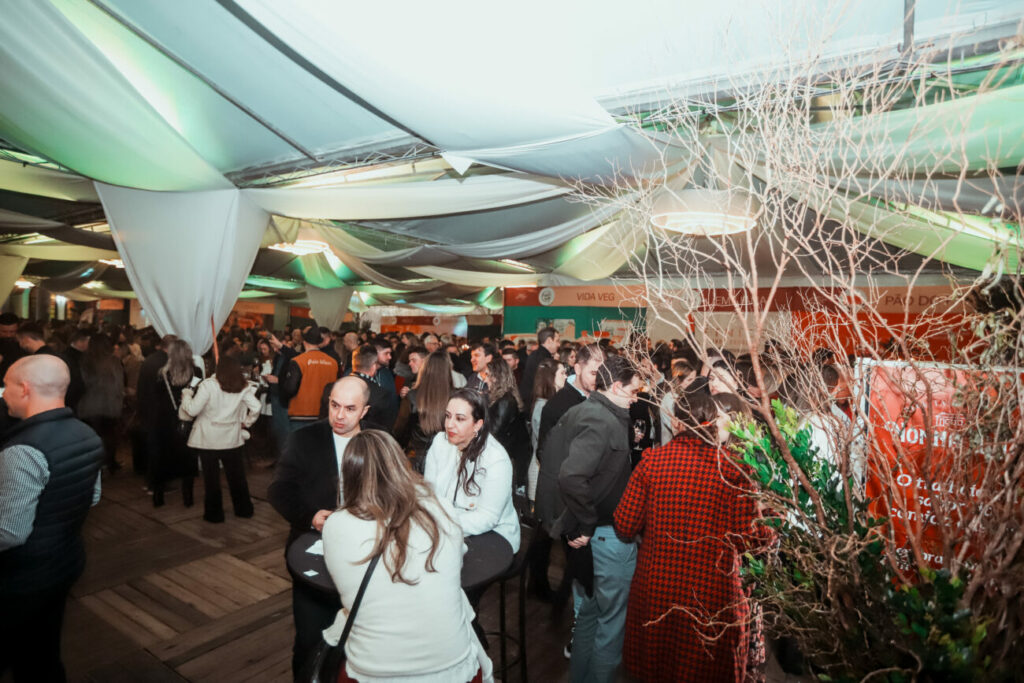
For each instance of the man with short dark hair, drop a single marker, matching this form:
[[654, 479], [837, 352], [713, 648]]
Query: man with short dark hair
[[547, 349], [305, 378], [49, 478], [31, 340], [10, 350], [480, 356], [591, 481], [77, 345], [327, 345], [385, 379], [365, 364], [511, 358]]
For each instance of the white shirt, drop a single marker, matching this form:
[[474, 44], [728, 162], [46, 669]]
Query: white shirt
[[340, 443], [490, 509]]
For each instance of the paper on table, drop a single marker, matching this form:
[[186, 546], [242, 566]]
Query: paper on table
[[317, 548], [311, 572]]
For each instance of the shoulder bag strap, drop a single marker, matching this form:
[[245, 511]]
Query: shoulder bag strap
[[359, 599], [169, 392]]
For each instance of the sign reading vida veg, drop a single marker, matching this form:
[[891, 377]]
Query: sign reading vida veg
[[922, 475]]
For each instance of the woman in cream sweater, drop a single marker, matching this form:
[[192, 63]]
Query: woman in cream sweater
[[414, 623], [222, 406]]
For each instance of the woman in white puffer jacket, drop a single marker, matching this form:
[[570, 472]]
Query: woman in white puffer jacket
[[222, 406]]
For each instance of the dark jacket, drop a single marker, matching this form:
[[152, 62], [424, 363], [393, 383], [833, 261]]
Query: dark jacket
[[150, 386], [104, 388], [73, 358], [379, 416], [565, 398], [54, 554], [530, 372], [508, 425], [385, 379], [596, 467], [306, 477]]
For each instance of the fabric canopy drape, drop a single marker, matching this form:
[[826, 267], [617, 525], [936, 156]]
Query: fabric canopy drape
[[77, 277], [90, 117], [11, 268], [405, 200], [45, 182], [329, 306], [56, 251], [12, 221], [187, 254]]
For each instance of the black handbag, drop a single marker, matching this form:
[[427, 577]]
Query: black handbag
[[182, 428], [327, 660]]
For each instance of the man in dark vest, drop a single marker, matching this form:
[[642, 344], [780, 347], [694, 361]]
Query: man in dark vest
[[49, 467]]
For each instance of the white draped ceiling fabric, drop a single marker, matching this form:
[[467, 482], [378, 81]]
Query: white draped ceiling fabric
[[187, 254], [159, 97], [329, 306], [11, 268]]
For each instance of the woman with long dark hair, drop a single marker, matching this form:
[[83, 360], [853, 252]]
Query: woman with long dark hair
[[389, 511], [508, 423], [172, 458], [222, 406], [103, 399], [428, 399], [470, 470]]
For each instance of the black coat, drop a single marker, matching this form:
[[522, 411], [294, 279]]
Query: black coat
[[73, 357], [306, 477], [566, 397], [530, 372], [149, 387]]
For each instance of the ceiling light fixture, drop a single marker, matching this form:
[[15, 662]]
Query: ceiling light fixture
[[21, 283], [705, 213], [302, 247]]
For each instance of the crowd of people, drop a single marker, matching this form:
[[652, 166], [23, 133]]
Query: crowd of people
[[419, 444]]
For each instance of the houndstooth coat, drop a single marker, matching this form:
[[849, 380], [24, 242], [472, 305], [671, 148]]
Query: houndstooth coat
[[687, 613]]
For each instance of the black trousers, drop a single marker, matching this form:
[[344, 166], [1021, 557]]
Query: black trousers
[[238, 487], [313, 611], [30, 627], [109, 431]]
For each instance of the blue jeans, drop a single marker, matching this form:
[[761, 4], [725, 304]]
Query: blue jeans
[[601, 619]]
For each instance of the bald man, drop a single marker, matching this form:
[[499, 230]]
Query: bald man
[[305, 491], [49, 478]]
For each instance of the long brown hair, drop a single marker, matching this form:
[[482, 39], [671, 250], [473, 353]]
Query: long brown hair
[[229, 375], [433, 387], [379, 486], [544, 381], [180, 367], [501, 381]]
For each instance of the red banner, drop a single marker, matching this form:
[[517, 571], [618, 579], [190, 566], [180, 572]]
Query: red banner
[[915, 427]]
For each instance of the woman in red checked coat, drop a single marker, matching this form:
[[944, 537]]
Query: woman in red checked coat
[[687, 613]]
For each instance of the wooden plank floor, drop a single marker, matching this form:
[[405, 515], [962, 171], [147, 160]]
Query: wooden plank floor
[[168, 597]]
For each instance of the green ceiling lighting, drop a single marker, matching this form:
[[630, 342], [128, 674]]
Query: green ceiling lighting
[[272, 282]]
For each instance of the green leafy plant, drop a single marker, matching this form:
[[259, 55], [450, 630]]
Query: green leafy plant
[[831, 587]]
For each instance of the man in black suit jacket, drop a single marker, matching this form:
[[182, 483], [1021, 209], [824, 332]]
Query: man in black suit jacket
[[305, 491]]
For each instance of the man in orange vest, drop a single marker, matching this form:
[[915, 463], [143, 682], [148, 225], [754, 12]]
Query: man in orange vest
[[305, 379]]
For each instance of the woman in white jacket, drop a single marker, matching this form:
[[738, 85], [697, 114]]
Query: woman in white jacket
[[222, 406], [471, 471]]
